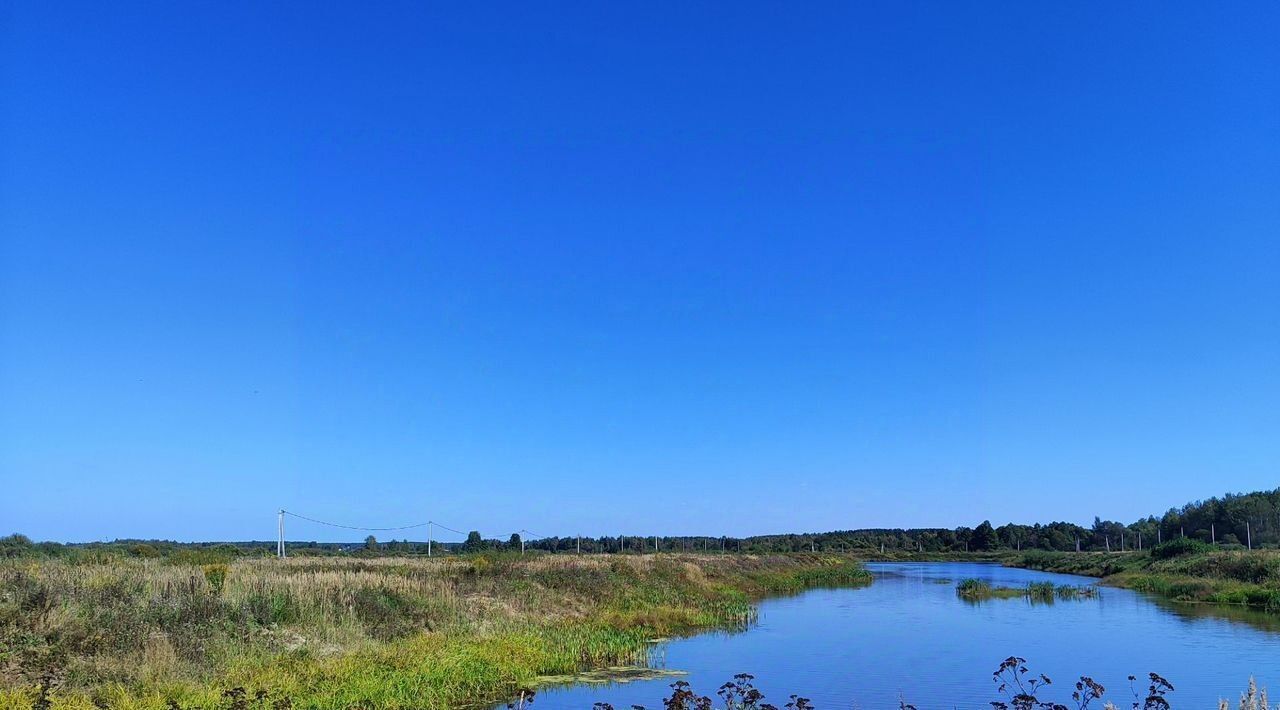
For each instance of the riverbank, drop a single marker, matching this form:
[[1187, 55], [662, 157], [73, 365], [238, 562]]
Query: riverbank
[[1237, 577], [336, 633]]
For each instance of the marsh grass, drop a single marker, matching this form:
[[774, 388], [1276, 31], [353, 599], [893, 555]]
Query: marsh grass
[[382, 632], [1036, 592], [1182, 571]]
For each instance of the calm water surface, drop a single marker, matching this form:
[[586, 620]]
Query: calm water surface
[[908, 636]]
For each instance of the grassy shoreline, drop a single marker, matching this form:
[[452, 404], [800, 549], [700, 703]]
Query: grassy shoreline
[[1228, 577], [386, 632]]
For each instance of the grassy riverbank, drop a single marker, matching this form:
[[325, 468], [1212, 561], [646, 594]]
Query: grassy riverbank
[[1192, 574], [337, 633]]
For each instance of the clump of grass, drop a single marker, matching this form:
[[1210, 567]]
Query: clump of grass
[[979, 589], [1040, 592], [1076, 591]]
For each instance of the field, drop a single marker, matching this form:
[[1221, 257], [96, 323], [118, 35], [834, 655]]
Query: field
[[390, 632]]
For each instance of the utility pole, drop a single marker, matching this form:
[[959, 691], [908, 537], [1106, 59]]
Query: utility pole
[[429, 538], [280, 535], [579, 544], [1158, 535], [1213, 534], [1248, 534], [1108, 538]]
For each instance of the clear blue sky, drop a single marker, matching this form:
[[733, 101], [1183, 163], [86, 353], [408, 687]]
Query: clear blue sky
[[725, 268]]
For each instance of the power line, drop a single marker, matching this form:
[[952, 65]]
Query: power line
[[446, 527], [364, 529]]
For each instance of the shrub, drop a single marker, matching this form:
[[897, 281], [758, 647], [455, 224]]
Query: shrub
[[1179, 546], [216, 576]]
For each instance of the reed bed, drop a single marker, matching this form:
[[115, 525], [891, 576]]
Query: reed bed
[[1036, 592]]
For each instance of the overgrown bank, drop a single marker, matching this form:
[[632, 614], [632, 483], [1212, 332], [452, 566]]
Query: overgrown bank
[[337, 633], [1182, 570]]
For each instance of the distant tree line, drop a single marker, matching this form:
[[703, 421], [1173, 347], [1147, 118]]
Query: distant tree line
[[1232, 521]]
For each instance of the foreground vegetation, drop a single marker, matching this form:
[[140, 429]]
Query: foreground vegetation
[[1183, 570], [337, 633]]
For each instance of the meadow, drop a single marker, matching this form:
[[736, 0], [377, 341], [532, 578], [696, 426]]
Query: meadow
[[336, 632]]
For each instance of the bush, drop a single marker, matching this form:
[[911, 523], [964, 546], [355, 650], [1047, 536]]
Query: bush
[[216, 576], [15, 545], [1178, 547]]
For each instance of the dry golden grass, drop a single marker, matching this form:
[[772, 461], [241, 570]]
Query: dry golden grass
[[141, 631]]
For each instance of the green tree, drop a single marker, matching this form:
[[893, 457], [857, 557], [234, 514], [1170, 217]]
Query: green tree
[[474, 541], [984, 537], [371, 543], [514, 542]]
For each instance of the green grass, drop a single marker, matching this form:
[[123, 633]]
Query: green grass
[[977, 589], [1046, 592], [1182, 571], [384, 633]]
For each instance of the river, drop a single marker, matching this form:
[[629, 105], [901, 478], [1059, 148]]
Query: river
[[908, 636]]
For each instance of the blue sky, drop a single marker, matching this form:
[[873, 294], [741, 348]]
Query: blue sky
[[599, 268]]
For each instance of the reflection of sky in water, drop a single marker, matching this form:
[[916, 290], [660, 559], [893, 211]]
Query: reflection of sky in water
[[908, 636]]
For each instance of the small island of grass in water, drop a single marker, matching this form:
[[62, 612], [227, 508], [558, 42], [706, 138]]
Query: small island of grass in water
[[978, 589]]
